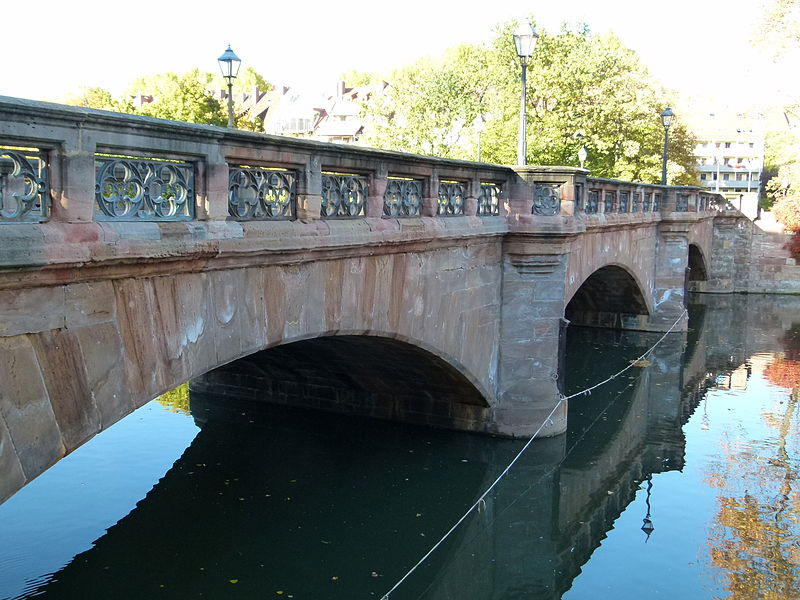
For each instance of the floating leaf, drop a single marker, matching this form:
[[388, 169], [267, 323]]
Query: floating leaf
[[233, 580]]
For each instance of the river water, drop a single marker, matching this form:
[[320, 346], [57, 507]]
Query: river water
[[699, 444]]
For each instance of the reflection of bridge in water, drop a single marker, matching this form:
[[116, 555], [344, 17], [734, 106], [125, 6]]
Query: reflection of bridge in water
[[530, 539]]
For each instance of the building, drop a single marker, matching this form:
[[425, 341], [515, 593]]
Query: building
[[730, 155]]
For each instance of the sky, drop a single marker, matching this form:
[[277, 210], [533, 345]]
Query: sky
[[54, 47]]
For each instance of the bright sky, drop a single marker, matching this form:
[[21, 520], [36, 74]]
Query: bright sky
[[56, 46]]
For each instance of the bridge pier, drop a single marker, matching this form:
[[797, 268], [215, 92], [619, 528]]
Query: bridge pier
[[531, 316]]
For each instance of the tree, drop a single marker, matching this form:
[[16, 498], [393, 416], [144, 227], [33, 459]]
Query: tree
[[584, 89], [93, 97], [429, 106], [779, 30], [188, 97], [178, 97]]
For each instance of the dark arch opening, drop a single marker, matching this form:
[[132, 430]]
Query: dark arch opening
[[361, 375], [610, 297], [696, 271]]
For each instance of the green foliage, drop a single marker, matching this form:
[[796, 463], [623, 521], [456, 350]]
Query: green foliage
[[430, 106], [583, 89], [779, 30], [176, 400], [179, 97], [188, 97], [782, 168], [93, 97]]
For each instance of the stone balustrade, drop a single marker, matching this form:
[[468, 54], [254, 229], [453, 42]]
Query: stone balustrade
[[71, 165]]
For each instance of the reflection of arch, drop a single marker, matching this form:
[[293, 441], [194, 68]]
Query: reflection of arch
[[610, 297], [357, 374], [697, 264]]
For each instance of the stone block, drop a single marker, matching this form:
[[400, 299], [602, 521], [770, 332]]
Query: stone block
[[89, 303], [23, 246], [11, 476], [62, 364], [102, 351], [31, 310], [25, 407]]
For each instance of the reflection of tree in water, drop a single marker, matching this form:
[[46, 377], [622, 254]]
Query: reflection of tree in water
[[755, 539], [176, 400]]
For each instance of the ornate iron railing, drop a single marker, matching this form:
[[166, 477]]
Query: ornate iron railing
[[656, 202], [256, 193], [451, 199], [682, 203], [608, 199], [646, 202], [402, 198], [24, 186], [343, 195], [624, 199], [637, 201], [489, 200], [546, 199], [141, 189], [592, 202]]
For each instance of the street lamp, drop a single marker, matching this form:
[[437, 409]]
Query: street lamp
[[479, 127], [666, 121], [582, 155], [229, 64], [525, 40]]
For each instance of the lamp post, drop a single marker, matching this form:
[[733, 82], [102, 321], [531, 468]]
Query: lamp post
[[229, 64], [582, 155], [479, 127], [666, 121], [525, 40]]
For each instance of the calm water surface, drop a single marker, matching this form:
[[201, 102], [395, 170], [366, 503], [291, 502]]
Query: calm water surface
[[251, 501]]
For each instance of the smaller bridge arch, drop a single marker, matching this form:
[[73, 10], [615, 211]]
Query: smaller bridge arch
[[610, 297], [697, 272]]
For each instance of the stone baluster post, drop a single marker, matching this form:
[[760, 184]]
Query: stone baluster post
[[309, 190]]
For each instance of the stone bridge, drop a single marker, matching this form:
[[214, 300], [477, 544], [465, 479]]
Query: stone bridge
[[137, 254]]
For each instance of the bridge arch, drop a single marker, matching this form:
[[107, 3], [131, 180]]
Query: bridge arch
[[698, 269], [610, 297], [363, 373]]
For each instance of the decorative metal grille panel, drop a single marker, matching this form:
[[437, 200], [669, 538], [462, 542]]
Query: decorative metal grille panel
[[402, 198], [343, 195], [136, 189], [637, 201], [646, 202], [24, 186], [451, 199], [609, 202], [682, 203], [624, 199], [546, 200], [656, 202], [261, 194], [592, 201], [489, 200]]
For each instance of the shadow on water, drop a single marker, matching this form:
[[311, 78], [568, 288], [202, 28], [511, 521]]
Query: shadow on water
[[269, 501]]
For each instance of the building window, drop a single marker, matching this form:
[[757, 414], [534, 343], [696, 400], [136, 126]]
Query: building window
[[703, 176], [727, 144], [740, 177], [751, 144], [726, 176], [715, 176]]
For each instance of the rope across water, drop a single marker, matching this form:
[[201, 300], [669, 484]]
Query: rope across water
[[481, 499]]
